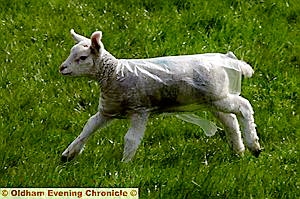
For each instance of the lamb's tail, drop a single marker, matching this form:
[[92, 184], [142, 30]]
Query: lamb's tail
[[246, 69]]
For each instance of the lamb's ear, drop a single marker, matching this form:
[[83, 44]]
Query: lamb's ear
[[78, 38], [96, 40]]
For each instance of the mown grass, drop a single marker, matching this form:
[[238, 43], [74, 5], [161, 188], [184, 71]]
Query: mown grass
[[42, 112]]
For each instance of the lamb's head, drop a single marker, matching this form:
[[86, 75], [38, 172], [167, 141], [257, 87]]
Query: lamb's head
[[84, 56]]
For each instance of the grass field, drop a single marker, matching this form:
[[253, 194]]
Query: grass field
[[42, 112]]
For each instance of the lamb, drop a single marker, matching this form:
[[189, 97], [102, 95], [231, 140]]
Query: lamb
[[138, 88]]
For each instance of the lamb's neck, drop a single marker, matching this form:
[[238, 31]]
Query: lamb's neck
[[106, 68]]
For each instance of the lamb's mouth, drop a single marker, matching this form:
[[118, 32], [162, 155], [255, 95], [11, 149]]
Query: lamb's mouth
[[65, 73]]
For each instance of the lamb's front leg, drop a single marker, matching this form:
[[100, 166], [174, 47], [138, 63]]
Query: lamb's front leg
[[134, 135], [96, 121]]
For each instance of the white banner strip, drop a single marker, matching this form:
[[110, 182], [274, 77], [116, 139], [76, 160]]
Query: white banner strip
[[69, 193]]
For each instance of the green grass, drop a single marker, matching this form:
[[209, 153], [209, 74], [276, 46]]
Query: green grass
[[42, 112]]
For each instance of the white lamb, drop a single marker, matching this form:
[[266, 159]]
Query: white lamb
[[135, 88]]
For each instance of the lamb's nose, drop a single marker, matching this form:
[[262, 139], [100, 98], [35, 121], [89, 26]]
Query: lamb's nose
[[62, 67]]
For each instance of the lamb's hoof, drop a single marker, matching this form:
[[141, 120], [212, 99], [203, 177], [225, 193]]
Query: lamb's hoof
[[125, 160], [256, 152], [66, 158]]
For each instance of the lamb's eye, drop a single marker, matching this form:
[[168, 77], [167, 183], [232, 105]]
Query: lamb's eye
[[83, 57]]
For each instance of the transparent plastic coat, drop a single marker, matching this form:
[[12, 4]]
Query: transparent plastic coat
[[165, 69], [191, 72]]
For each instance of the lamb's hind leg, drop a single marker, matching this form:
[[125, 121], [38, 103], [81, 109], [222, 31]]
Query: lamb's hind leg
[[232, 130], [244, 112]]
